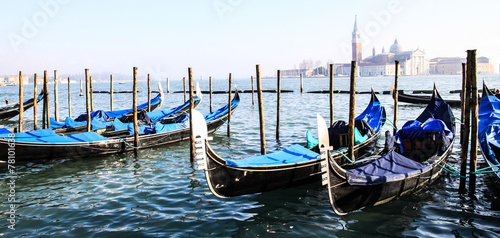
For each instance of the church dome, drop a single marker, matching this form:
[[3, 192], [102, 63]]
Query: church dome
[[396, 48]]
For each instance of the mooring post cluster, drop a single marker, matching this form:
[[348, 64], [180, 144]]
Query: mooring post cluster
[[470, 120]]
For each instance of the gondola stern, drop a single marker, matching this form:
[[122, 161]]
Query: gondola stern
[[198, 90], [162, 95], [486, 90]]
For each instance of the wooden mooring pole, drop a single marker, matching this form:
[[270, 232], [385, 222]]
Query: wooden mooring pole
[[229, 103], [352, 106], [69, 97], [210, 90], [81, 89], [56, 97], [87, 99], [91, 94], [464, 128], [46, 118], [278, 104], [168, 85], [184, 87], [149, 93], [192, 150], [251, 81], [35, 93], [331, 94], [396, 96], [136, 126], [111, 92], [21, 101], [261, 112], [301, 84], [472, 74]]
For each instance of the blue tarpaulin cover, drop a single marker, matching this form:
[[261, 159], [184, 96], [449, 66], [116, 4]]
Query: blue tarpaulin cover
[[211, 116], [390, 167], [373, 114], [4, 131], [292, 154], [54, 138], [158, 115], [31, 134], [489, 125]]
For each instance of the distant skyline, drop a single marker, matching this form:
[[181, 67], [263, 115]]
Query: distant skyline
[[218, 37]]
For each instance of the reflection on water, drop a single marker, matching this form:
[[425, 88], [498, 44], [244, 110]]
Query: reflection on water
[[160, 193]]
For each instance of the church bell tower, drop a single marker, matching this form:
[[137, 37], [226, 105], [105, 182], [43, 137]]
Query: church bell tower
[[356, 42]]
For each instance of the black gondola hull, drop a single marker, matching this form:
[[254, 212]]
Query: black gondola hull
[[346, 198], [227, 181], [10, 112], [43, 151]]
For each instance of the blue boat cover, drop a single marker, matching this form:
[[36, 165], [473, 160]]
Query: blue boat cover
[[73, 138], [489, 125], [70, 123], [211, 116], [32, 134], [99, 115], [437, 108], [414, 129], [158, 115], [106, 115], [4, 130], [388, 168], [292, 154], [373, 114]]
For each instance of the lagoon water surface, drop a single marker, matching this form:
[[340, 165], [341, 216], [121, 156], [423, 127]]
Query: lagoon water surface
[[161, 194]]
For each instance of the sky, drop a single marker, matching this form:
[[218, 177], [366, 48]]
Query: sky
[[218, 37]]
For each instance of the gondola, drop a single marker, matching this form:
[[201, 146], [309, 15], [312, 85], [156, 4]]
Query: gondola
[[290, 167], [417, 158], [79, 124], [423, 99], [489, 130], [11, 110], [46, 144]]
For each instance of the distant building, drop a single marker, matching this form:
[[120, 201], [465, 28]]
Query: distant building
[[453, 65], [357, 52], [411, 62]]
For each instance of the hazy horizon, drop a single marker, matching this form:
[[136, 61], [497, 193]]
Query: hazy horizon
[[218, 37]]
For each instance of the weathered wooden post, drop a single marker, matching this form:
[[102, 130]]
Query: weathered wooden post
[[396, 95], [56, 97], [210, 90], [81, 89], [251, 80], [136, 126], [472, 73], [261, 112], [69, 97], [331, 94], [111, 92], [91, 94], [464, 128], [168, 85], [184, 87], [278, 104], [21, 101], [35, 93], [87, 99], [149, 93], [46, 118], [192, 150], [352, 106], [301, 84], [229, 103]]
